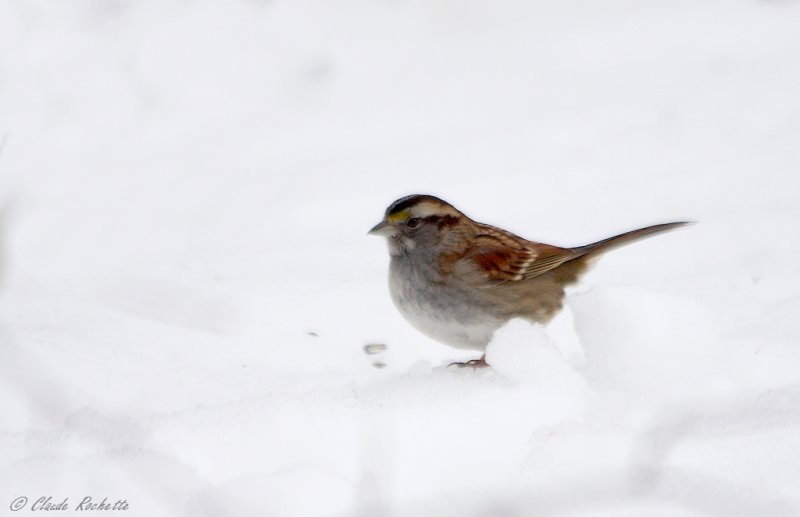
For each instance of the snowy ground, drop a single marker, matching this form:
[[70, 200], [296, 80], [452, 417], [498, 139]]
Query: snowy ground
[[187, 286]]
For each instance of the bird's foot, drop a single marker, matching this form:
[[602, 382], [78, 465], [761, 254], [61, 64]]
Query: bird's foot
[[474, 364]]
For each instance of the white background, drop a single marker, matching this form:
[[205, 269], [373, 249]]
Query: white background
[[187, 285]]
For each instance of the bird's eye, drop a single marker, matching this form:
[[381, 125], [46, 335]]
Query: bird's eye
[[413, 222]]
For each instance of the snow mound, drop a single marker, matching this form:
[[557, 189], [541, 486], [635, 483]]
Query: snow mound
[[642, 340], [526, 353]]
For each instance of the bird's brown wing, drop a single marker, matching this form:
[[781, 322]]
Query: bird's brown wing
[[501, 257]]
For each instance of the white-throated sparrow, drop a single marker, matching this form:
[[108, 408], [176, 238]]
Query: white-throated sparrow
[[457, 280]]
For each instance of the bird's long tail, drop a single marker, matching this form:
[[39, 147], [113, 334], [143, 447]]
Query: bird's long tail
[[628, 237]]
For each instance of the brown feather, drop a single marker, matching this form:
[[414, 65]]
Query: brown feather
[[503, 257]]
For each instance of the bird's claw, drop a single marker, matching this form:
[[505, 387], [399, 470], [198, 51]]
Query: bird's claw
[[474, 364]]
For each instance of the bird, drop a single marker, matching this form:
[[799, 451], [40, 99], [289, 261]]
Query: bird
[[457, 280]]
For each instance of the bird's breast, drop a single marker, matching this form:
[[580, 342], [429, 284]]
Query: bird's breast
[[440, 309]]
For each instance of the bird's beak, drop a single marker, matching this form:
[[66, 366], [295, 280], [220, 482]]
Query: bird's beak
[[382, 229]]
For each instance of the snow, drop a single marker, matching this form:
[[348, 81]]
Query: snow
[[187, 288]]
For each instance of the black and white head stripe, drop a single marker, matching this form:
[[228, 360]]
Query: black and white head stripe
[[405, 203], [421, 206]]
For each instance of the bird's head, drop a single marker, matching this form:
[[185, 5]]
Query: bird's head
[[419, 221]]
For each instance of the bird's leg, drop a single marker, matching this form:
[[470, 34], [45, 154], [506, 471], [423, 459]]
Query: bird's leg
[[474, 364]]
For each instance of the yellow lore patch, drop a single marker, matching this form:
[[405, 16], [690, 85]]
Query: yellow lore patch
[[399, 216]]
